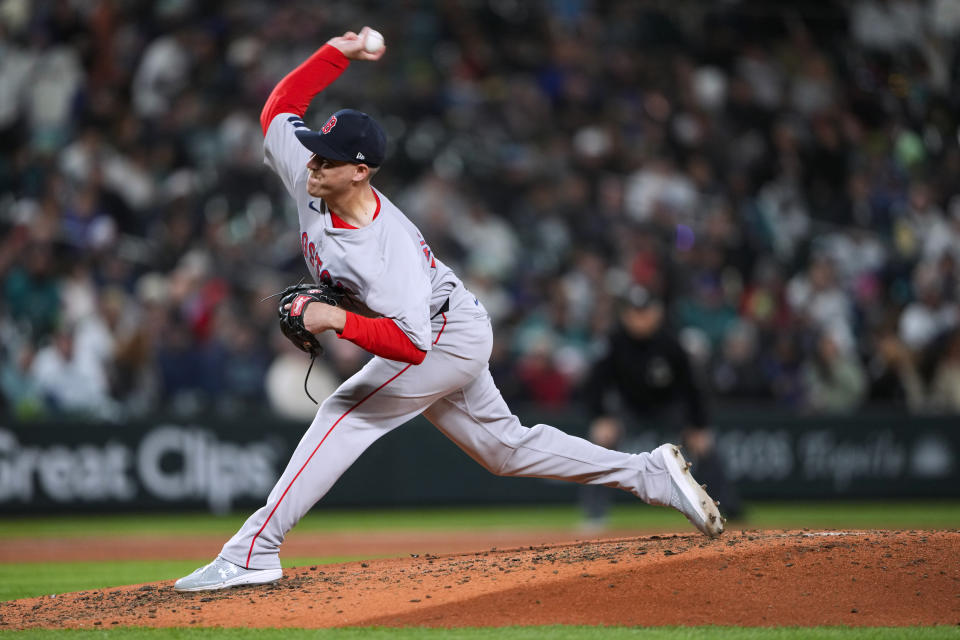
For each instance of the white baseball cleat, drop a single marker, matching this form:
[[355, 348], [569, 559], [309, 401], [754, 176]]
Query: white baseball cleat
[[223, 574], [688, 497]]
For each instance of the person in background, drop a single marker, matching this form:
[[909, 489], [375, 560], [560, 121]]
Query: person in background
[[646, 378], [71, 381], [834, 380]]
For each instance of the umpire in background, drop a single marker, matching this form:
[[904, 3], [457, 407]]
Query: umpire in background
[[647, 379]]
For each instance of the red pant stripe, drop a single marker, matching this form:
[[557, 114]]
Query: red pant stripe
[[329, 431]]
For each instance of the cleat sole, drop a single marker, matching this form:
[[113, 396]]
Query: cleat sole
[[712, 521]]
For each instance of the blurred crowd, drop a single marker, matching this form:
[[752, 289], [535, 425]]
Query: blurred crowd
[[785, 175]]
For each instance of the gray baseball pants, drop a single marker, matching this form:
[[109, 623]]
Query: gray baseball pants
[[454, 390]]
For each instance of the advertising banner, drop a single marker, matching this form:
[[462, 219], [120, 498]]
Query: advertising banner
[[220, 464]]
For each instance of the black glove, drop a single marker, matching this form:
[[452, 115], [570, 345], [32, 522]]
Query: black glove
[[298, 297]]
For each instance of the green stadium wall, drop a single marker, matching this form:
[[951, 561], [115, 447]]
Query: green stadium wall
[[219, 463]]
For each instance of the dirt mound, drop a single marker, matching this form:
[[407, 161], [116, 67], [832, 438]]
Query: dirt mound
[[747, 578], [300, 544]]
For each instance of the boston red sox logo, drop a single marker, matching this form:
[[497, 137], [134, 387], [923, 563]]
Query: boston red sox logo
[[331, 123], [312, 255]]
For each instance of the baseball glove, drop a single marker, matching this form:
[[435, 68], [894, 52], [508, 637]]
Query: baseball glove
[[298, 297]]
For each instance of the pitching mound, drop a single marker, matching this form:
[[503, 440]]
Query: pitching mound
[[747, 578]]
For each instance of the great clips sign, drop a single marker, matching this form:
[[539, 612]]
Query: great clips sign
[[79, 466]]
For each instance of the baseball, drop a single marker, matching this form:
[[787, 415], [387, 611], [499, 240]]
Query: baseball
[[373, 41]]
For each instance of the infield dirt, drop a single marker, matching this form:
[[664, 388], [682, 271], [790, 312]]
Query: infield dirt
[[752, 578]]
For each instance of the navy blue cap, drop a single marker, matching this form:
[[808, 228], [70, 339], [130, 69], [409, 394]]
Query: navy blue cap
[[348, 136]]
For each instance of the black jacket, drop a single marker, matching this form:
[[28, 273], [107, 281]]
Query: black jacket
[[651, 376]]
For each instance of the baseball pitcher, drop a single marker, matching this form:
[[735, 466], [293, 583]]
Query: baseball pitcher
[[379, 285]]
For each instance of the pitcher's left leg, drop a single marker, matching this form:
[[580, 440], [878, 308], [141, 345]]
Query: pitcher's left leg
[[479, 421]]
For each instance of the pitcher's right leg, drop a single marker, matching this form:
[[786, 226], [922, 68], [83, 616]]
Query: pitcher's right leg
[[361, 410]]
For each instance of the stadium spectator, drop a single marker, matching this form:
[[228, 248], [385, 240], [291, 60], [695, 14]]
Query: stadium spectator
[[31, 291], [790, 171], [737, 374], [893, 373], [945, 385], [71, 381], [930, 315], [834, 380]]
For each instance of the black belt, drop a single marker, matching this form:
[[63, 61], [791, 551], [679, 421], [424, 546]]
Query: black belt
[[443, 308]]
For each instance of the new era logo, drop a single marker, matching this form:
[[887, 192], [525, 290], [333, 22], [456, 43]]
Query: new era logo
[[360, 156]]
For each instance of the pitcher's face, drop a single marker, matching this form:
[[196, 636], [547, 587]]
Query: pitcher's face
[[328, 177]]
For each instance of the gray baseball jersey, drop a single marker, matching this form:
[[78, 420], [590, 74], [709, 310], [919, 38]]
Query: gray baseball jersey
[[387, 268]]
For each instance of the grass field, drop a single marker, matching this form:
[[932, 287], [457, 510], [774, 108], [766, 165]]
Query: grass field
[[18, 580], [903, 514]]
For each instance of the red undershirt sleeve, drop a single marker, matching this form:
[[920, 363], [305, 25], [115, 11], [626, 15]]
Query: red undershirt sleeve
[[381, 337], [294, 93]]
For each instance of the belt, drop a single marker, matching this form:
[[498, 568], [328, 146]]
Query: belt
[[443, 308]]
